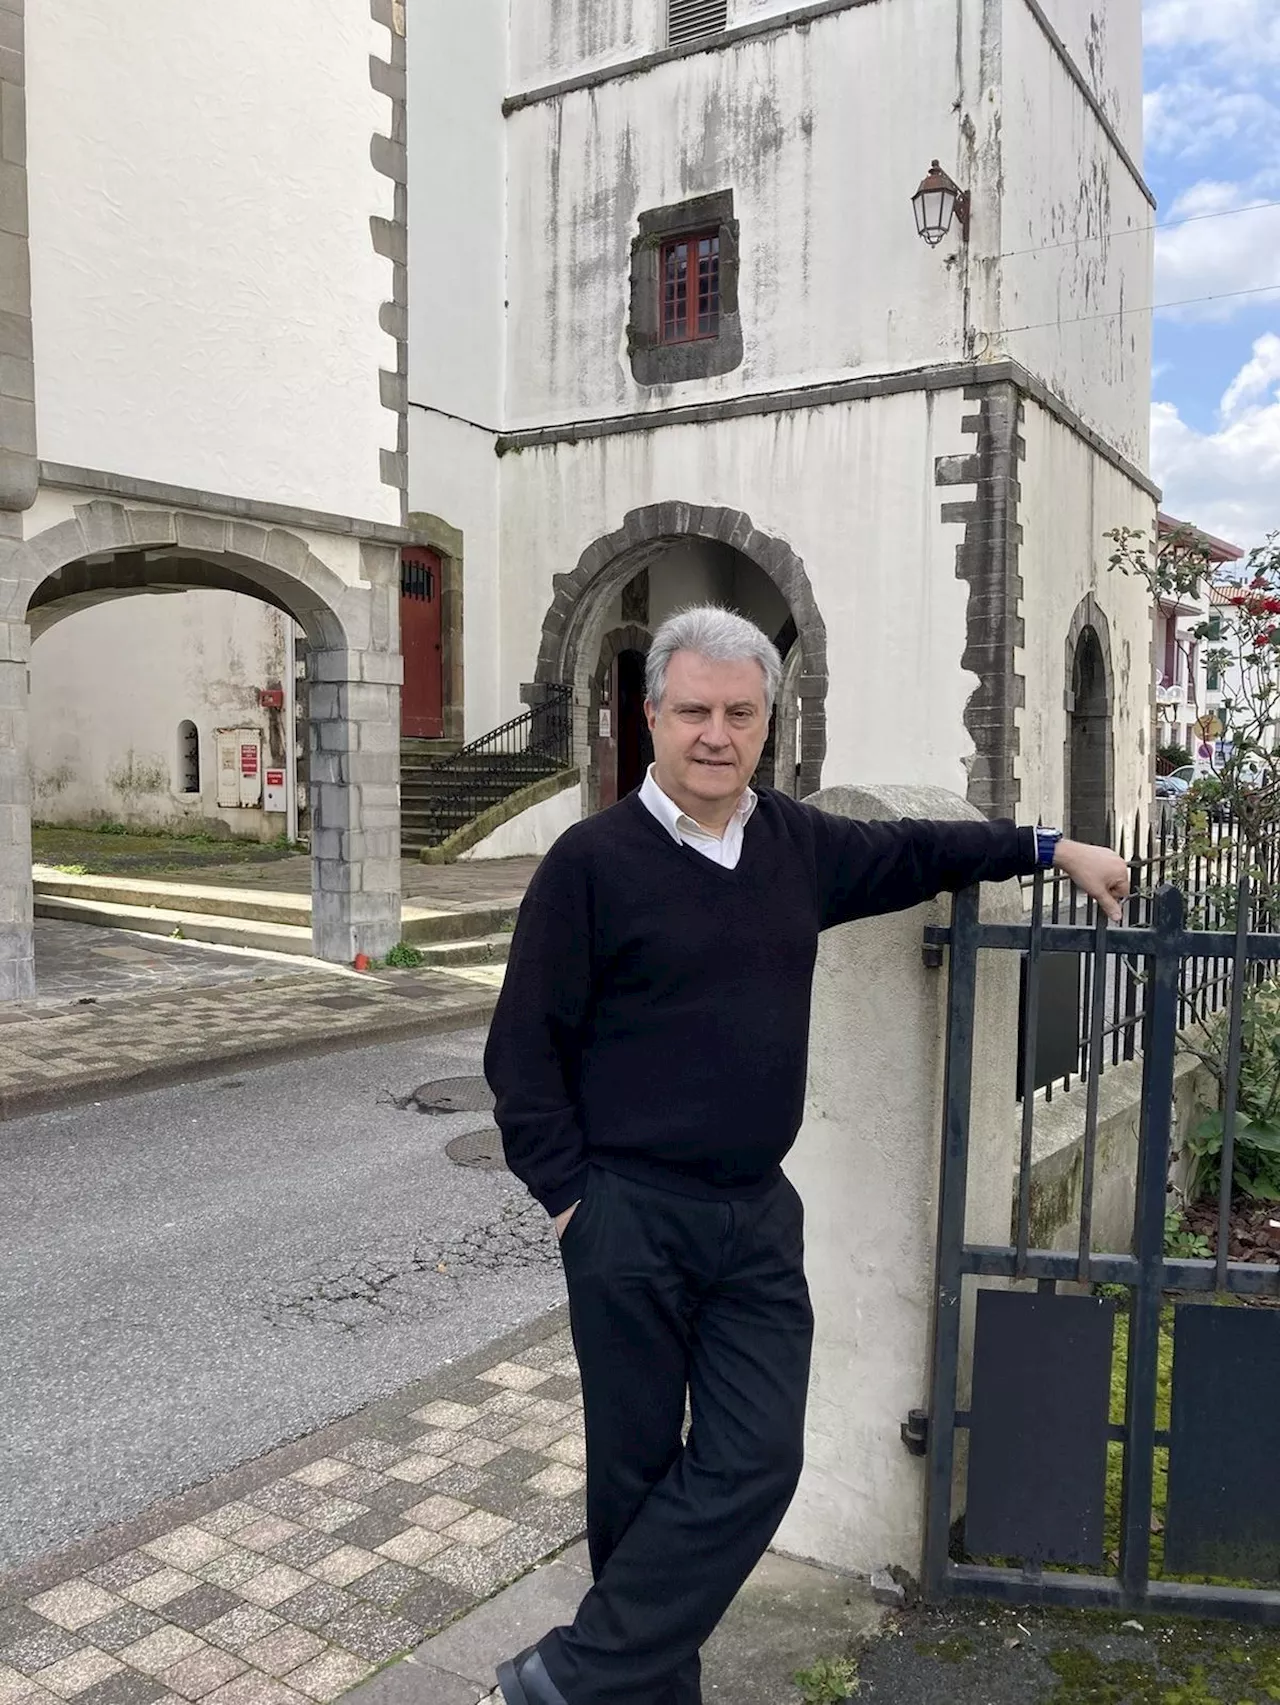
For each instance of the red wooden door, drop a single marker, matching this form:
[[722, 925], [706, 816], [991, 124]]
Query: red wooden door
[[422, 704]]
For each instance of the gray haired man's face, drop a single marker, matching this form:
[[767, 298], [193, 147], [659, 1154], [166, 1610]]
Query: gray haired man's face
[[708, 734]]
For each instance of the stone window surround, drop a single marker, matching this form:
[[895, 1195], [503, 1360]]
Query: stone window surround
[[652, 361]]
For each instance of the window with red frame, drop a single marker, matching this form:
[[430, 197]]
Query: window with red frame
[[690, 283]]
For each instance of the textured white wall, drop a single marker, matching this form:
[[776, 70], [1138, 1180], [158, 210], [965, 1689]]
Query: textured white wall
[[104, 727], [834, 280], [851, 490], [1070, 499], [1105, 41], [1075, 230], [205, 290]]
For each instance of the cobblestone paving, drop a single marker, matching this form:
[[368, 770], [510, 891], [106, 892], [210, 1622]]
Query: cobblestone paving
[[300, 1585], [56, 1056]]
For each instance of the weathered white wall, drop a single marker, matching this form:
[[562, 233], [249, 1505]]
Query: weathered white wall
[[851, 490], [534, 831], [1070, 499], [109, 687], [834, 280], [205, 292], [1105, 41], [1077, 277]]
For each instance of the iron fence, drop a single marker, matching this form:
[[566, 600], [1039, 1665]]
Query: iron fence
[[1027, 1511], [1204, 861]]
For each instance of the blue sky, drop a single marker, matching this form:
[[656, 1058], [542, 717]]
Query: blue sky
[[1213, 144]]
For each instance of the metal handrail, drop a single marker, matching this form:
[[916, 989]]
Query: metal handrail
[[540, 739]]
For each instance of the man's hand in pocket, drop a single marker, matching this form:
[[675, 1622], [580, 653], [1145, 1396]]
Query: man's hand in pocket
[[563, 1219]]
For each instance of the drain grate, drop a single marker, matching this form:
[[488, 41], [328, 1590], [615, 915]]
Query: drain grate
[[453, 1095], [481, 1149]]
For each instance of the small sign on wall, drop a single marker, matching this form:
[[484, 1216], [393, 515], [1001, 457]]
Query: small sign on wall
[[274, 796], [606, 724], [239, 768]]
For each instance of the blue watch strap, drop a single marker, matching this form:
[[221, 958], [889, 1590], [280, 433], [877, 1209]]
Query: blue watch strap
[[1046, 846]]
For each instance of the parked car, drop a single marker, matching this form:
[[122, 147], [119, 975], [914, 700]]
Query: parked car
[[1171, 787]]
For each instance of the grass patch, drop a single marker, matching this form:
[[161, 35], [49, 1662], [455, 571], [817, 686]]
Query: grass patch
[[829, 1681], [109, 849]]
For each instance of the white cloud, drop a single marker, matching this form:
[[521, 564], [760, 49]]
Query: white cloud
[[1188, 119], [1227, 481], [1220, 257], [1243, 31], [1259, 375]]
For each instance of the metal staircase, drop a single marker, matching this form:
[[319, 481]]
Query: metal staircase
[[441, 794]]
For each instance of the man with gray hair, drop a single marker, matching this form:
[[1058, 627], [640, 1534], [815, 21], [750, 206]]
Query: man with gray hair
[[648, 1056]]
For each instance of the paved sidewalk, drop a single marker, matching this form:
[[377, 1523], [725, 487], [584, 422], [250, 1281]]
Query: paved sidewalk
[[291, 1579], [65, 1055], [787, 1617]]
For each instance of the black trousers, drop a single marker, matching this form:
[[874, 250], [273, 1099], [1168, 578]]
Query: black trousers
[[673, 1298]]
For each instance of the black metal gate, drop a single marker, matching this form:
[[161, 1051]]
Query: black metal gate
[[1021, 1504]]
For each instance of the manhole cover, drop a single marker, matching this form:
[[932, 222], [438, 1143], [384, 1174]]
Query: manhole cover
[[453, 1095], [478, 1148]]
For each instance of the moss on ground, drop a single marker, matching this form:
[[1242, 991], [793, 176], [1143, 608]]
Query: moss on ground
[[112, 850]]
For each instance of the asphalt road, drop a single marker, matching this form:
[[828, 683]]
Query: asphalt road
[[191, 1277]]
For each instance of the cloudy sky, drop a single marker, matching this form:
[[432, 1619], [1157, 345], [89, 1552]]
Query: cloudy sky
[[1212, 144]]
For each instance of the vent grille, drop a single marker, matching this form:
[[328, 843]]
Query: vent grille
[[689, 19]]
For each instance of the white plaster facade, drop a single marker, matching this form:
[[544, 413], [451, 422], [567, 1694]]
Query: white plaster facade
[[851, 432], [202, 394], [101, 754], [205, 293]]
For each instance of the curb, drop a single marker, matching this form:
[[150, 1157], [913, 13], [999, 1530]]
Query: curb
[[52, 1098]]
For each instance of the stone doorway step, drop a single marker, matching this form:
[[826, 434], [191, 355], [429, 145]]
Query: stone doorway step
[[464, 938]]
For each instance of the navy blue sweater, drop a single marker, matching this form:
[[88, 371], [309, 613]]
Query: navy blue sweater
[[655, 1014]]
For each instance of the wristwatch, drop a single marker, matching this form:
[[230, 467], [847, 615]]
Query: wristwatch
[[1046, 846]]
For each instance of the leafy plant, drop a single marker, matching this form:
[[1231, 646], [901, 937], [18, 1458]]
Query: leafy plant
[[1180, 1244], [1256, 1164], [830, 1681], [403, 957]]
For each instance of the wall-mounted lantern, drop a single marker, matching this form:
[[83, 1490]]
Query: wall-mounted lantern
[[938, 202]]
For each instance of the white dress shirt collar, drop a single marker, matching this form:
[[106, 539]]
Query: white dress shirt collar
[[723, 849]]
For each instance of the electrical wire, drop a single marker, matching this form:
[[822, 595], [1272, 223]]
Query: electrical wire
[[1151, 308], [1138, 230]]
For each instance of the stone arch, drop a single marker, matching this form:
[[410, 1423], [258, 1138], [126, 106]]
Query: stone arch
[[110, 549], [574, 626], [145, 549], [1089, 748]]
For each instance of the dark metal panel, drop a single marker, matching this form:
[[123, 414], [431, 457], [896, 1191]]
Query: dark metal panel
[[1038, 1427], [1056, 1017], [1223, 1515]]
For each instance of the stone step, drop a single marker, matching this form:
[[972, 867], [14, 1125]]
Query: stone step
[[256, 936], [250, 905], [484, 950], [156, 908]]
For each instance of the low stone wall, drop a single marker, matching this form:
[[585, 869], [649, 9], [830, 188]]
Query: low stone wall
[[1058, 1154]]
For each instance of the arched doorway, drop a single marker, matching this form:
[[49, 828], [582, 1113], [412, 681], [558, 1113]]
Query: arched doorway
[[1089, 752], [621, 746], [665, 558], [111, 550]]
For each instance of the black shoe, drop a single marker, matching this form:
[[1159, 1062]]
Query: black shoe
[[524, 1681]]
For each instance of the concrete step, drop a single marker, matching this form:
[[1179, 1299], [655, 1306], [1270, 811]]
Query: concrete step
[[485, 950], [257, 936], [250, 905], [231, 916]]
